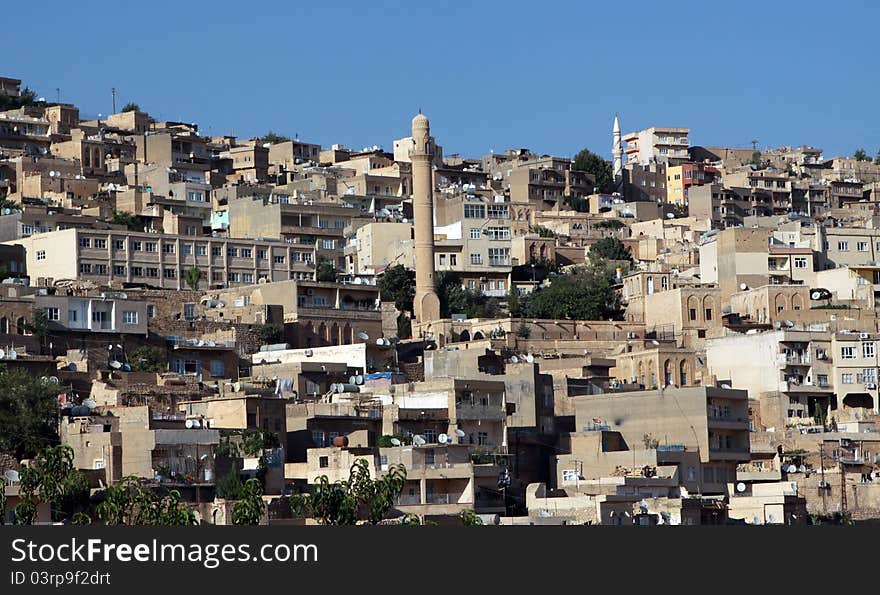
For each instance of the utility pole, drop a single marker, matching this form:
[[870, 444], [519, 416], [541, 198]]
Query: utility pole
[[842, 487], [822, 472], [113, 93]]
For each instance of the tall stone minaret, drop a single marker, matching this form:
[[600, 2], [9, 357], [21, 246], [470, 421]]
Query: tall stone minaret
[[426, 304], [617, 153]]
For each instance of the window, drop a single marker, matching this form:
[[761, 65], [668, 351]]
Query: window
[[800, 262], [442, 260], [261, 253], [85, 268], [52, 314], [474, 211], [201, 250], [868, 349], [278, 259], [85, 243], [168, 248], [328, 244], [822, 379], [119, 244], [41, 255], [216, 251], [848, 352], [453, 259], [708, 313], [186, 249], [129, 317], [499, 256], [136, 245], [247, 253], [475, 233], [692, 313], [169, 273], [233, 277], [869, 375], [324, 462], [476, 259], [843, 246], [102, 244], [247, 277], [846, 378], [232, 252], [498, 233], [862, 246], [151, 311], [151, 272], [150, 247], [189, 311], [119, 270], [218, 368], [100, 269]]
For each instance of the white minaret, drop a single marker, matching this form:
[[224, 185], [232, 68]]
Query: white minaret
[[617, 153]]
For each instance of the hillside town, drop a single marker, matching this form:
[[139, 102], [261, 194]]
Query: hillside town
[[657, 333]]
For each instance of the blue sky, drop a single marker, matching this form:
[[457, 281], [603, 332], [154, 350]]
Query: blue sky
[[491, 75]]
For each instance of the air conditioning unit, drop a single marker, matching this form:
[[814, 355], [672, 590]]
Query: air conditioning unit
[[870, 385], [309, 353], [864, 336]]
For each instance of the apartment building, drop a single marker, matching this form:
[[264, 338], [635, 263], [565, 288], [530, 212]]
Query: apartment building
[[680, 179], [24, 131], [657, 144], [124, 257], [98, 313], [378, 245], [855, 370]]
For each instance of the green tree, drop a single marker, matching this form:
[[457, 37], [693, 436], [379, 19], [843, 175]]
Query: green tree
[[230, 486], [52, 478], [5, 203], [325, 271], [127, 502], [272, 138], [404, 326], [28, 484], [130, 221], [28, 413], [593, 164], [131, 107], [523, 331], [756, 159], [398, 284], [543, 232], [470, 518], [453, 297], [587, 293], [149, 358], [26, 99], [610, 248], [248, 509], [39, 327], [514, 304], [270, 333], [357, 500], [577, 203], [192, 276], [861, 155]]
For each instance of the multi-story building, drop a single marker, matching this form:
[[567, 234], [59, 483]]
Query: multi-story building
[[125, 257], [657, 144]]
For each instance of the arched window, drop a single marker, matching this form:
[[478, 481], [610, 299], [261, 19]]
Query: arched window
[[708, 308], [346, 334], [4, 325], [693, 306], [683, 372], [797, 302], [478, 335], [464, 336], [668, 371], [779, 303], [20, 326]]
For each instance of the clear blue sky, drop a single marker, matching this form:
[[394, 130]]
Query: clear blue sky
[[490, 75]]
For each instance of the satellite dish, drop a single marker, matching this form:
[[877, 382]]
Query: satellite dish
[[188, 424], [443, 438], [802, 469], [740, 487], [71, 366], [743, 286], [12, 475], [196, 424], [772, 519], [514, 359], [395, 442], [90, 403], [2, 354], [643, 506], [364, 336], [53, 380], [460, 433], [792, 469], [530, 358], [115, 364], [756, 521], [419, 440]]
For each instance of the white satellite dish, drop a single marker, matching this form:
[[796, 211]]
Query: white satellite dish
[[792, 469], [443, 438], [115, 364], [772, 519], [189, 424], [419, 440], [54, 380], [530, 358], [802, 469], [743, 286], [196, 424], [460, 433], [380, 341], [2, 354], [364, 336], [514, 359], [395, 442], [740, 487], [12, 475], [90, 403]]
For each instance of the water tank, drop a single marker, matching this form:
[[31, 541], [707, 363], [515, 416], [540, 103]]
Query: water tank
[[340, 441]]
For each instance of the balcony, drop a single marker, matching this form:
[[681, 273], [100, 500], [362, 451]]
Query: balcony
[[464, 411], [499, 262], [794, 360], [728, 423]]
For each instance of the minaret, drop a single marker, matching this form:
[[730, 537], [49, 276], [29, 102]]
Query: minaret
[[426, 304], [617, 153]]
